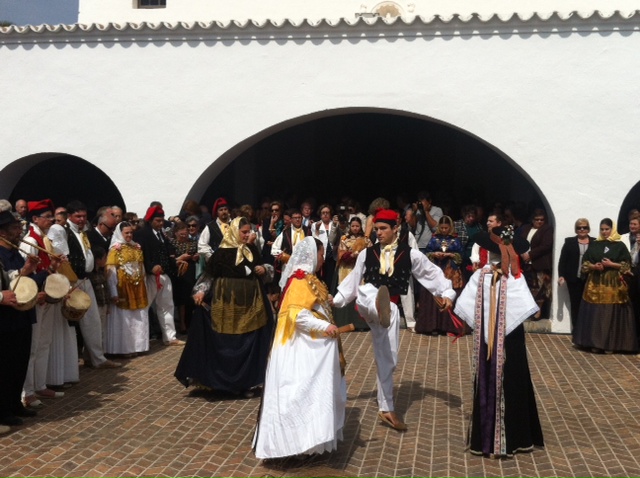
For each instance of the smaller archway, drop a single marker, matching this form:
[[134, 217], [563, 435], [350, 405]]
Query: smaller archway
[[61, 178]]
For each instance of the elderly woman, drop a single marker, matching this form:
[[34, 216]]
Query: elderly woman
[[230, 334], [351, 244], [445, 251], [570, 265], [605, 319], [127, 330]]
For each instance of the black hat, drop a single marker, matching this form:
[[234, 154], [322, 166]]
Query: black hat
[[7, 217], [483, 239]]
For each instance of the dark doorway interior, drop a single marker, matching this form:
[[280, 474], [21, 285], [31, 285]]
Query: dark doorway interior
[[64, 178], [632, 201], [366, 155]]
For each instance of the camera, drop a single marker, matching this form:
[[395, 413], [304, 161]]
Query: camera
[[342, 217]]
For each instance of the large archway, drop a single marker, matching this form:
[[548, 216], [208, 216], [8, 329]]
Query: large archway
[[369, 153], [61, 177]]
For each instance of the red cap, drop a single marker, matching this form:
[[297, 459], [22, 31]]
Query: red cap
[[153, 211], [219, 203], [386, 215], [38, 207]]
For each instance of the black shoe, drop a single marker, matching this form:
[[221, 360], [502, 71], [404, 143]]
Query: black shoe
[[24, 412], [11, 420]]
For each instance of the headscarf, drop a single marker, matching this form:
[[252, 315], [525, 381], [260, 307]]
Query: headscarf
[[303, 258], [614, 236], [117, 239], [231, 240]]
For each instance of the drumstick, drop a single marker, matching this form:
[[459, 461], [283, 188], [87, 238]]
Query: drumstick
[[13, 289], [78, 284], [344, 329]]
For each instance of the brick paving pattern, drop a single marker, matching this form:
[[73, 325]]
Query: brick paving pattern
[[139, 421]]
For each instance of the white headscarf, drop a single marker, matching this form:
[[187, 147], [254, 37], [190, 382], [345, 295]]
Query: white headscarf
[[304, 258], [118, 238]]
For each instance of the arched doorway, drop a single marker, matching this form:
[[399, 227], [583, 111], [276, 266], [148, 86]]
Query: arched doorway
[[60, 177], [365, 154]]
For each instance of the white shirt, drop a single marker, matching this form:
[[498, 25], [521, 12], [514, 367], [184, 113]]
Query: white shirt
[[423, 270], [204, 249], [58, 237], [276, 248]]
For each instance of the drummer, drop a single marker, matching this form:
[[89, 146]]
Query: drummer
[[15, 326], [41, 214]]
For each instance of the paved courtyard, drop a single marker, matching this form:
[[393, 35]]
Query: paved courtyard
[[139, 421]]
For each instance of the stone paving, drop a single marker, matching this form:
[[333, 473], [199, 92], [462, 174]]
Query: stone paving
[[139, 421]]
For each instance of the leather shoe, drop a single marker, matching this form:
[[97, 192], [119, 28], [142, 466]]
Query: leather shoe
[[24, 412], [391, 419], [4, 429], [11, 420], [48, 393]]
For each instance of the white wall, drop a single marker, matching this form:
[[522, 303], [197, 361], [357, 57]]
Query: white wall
[[154, 115], [120, 11]]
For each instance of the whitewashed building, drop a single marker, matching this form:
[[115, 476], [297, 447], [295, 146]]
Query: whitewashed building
[[150, 100]]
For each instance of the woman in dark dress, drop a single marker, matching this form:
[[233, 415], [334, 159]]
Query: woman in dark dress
[[445, 251], [495, 303], [605, 320], [230, 334], [570, 265]]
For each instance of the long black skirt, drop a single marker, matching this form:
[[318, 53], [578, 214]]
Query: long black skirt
[[521, 421], [223, 362], [610, 327]]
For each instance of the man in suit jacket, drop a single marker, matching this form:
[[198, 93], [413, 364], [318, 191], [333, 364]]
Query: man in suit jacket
[[100, 236], [160, 265]]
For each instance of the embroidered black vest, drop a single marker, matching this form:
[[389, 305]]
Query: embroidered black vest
[[398, 283], [76, 255], [215, 234]]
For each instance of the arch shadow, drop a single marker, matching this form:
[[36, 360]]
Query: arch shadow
[[631, 201], [60, 177], [368, 152]]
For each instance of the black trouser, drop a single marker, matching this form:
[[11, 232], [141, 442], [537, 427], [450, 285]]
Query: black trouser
[[575, 296]]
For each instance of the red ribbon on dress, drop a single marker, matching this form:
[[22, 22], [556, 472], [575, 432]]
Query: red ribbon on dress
[[158, 283], [459, 325]]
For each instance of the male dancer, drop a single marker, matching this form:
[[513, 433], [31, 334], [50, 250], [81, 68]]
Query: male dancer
[[387, 268]]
